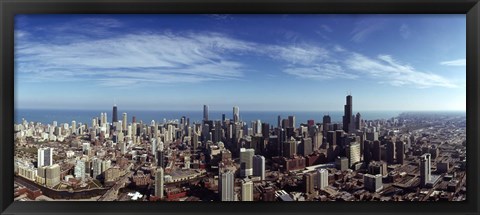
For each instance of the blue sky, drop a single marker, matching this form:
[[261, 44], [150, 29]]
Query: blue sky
[[256, 62]]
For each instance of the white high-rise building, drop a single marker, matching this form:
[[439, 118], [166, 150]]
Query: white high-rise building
[[322, 178], [259, 166], [101, 119], [97, 167], [246, 161], [236, 114], [247, 190], [154, 146], [74, 127], [45, 157], [80, 170], [353, 154], [425, 169], [226, 186], [124, 122], [159, 182], [259, 127]]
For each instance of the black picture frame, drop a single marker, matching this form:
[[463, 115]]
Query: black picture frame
[[8, 9]]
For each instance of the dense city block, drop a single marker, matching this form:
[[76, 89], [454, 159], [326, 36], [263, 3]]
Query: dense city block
[[415, 156]]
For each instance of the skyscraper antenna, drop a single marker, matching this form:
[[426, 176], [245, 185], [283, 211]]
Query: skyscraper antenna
[[114, 101]]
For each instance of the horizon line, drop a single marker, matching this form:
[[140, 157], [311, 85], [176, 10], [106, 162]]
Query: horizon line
[[229, 110]]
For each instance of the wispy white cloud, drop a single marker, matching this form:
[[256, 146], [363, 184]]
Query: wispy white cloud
[[192, 57], [322, 71], [458, 62], [165, 58], [387, 70], [365, 27]]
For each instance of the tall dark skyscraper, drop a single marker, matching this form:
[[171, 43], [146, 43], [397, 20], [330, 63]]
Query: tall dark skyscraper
[[348, 120], [115, 114], [358, 121], [327, 119], [205, 113]]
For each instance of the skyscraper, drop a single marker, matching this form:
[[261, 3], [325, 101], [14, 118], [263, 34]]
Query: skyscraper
[[124, 122], [399, 151], [52, 174], [247, 190], [289, 148], [367, 151], [353, 153], [205, 112], [159, 182], [115, 114], [246, 161], [348, 124], [225, 186], [425, 169], [376, 151], [80, 170], [44, 157], [373, 183], [322, 178], [259, 166], [291, 121], [236, 114], [358, 121], [308, 179], [74, 127], [265, 130], [390, 151]]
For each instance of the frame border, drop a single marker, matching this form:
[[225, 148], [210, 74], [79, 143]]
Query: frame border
[[8, 9]]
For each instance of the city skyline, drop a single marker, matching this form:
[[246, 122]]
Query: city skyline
[[168, 62], [233, 160]]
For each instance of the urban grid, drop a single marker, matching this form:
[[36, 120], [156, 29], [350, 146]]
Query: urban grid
[[415, 156]]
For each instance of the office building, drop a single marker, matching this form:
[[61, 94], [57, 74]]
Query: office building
[[376, 151], [159, 182], [265, 130], [236, 114], [322, 178], [399, 151], [289, 148], [114, 114], [79, 170], [341, 163], [348, 122], [353, 153], [308, 179], [425, 169], [226, 186], [373, 183], [205, 113], [390, 152], [306, 146], [331, 140], [52, 175], [259, 166], [246, 162], [124, 122], [44, 157], [367, 151], [358, 121], [247, 190], [74, 127], [291, 121]]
